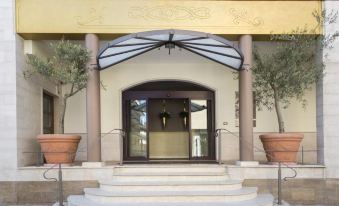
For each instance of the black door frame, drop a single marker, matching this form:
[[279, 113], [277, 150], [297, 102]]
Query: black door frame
[[163, 94]]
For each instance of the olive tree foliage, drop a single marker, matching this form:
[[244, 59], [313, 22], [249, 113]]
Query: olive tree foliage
[[292, 67], [66, 68]]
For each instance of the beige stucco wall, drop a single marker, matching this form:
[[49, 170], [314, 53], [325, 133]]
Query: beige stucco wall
[[29, 108], [185, 66], [13, 119], [152, 66]]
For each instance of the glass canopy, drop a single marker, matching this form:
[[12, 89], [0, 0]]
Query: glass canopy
[[210, 46]]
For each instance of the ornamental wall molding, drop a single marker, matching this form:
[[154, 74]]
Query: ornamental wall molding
[[93, 17], [120, 17], [169, 13], [242, 16]]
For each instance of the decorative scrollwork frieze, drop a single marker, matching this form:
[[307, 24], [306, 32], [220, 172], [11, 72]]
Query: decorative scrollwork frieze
[[243, 16], [92, 18], [169, 13]]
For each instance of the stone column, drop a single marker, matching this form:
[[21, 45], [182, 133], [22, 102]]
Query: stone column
[[246, 101], [93, 101]]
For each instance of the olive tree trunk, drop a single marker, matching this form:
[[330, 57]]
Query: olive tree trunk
[[62, 117], [73, 91], [278, 111]]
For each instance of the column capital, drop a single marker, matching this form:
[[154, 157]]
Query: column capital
[[246, 67], [92, 66]]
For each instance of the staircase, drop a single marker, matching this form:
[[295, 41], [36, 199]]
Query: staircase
[[167, 185]]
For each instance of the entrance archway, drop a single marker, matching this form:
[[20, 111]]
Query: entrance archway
[[188, 131], [209, 46]]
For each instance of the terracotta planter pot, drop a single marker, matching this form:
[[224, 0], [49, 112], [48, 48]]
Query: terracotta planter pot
[[59, 148], [281, 147]]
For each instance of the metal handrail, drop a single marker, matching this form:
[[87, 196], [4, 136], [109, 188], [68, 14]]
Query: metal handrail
[[47, 170], [121, 141], [59, 180], [309, 150], [217, 134]]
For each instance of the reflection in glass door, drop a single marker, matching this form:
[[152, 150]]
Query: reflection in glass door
[[137, 134], [199, 129], [170, 141]]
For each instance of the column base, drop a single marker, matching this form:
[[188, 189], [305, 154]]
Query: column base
[[93, 164], [247, 163]]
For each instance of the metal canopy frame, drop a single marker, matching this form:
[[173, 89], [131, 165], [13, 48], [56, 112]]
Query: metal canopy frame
[[207, 45]]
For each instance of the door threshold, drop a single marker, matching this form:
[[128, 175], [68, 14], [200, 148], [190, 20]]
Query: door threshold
[[169, 161]]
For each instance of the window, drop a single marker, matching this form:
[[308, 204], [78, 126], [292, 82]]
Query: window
[[237, 110], [48, 113]]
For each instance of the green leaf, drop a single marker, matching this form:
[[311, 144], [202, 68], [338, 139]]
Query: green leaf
[[67, 66], [291, 68]]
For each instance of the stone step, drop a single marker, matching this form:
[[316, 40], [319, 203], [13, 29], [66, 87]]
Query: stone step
[[111, 185], [260, 200], [192, 168], [102, 196], [172, 176]]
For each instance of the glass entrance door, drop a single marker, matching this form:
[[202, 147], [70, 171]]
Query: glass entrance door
[[137, 129], [168, 134], [200, 129], [167, 127]]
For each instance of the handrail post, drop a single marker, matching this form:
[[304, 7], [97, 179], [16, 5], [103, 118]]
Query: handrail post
[[219, 147], [42, 158], [279, 184], [302, 154], [267, 154], [121, 146], [61, 197], [38, 162]]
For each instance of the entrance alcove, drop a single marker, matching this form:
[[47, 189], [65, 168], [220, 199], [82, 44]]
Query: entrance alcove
[[185, 66], [159, 66], [186, 135]]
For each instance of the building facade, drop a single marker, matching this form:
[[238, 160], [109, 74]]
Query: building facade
[[134, 91]]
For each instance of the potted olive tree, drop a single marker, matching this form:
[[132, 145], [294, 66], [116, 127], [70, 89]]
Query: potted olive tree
[[285, 73], [66, 68]]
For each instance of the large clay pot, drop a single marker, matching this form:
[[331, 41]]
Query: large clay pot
[[281, 147], [59, 148]]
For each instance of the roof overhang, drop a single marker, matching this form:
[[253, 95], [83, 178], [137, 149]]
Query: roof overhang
[[207, 45]]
